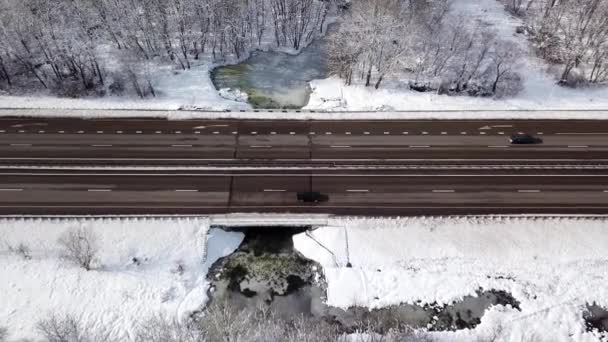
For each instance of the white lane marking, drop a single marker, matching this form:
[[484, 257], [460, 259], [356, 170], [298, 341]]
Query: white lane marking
[[41, 132], [498, 146], [463, 133], [21, 131], [260, 146], [294, 175], [528, 191], [483, 133], [15, 190], [501, 133], [273, 133], [178, 132], [197, 132], [365, 133], [578, 146], [159, 132], [444, 133], [292, 133], [425, 133], [186, 190], [340, 146], [61, 132], [581, 133], [181, 145], [101, 145], [138, 132], [605, 190], [21, 145], [99, 132], [405, 133], [119, 132], [235, 133], [328, 133], [443, 191], [387, 133], [419, 146], [312, 133], [357, 190], [274, 190], [99, 190], [2, 131], [51, 205], [80, 132], [252, 133], [216, 132], [348, 133], [540, 133]]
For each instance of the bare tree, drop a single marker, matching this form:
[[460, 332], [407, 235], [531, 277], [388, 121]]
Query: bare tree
[[21, 249], [69, 328], [80, 246]]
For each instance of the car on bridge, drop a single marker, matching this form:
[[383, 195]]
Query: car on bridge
[[312, 197], [524, 139]]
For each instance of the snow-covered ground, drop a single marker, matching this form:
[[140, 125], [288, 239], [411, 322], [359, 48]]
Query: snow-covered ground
[[552, 266], [119, 293], [540, 89]]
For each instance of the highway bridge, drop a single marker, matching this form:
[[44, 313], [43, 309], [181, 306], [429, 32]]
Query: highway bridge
[[68, 166]]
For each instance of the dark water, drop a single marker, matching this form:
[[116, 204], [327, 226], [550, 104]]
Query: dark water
[[596, 318], [275, 79], [266, 270]]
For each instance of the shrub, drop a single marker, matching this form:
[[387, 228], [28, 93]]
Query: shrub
[[22, 250], [3, 334], [68, 328], [80, 246]]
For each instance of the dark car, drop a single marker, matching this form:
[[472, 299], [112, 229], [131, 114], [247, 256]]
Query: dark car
[[524, 139], [312, 197]]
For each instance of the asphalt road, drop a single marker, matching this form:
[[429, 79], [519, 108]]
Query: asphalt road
[[59, 166], [123, 142]]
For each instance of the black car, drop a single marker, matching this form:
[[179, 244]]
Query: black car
[[524, 139], [312, 197]]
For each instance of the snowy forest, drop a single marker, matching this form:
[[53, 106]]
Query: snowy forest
[[75, 48], [83, 47]]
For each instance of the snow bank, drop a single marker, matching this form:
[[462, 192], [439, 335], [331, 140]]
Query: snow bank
[[540, 89], [175, 89], [553, 266], [118, 294]]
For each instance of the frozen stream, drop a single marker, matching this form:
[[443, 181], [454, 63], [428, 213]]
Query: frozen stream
[[275, 79]]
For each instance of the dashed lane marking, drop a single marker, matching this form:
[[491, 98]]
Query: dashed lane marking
[[528, 191], [443, 191]]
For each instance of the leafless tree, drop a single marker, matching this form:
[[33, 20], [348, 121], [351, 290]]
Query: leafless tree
[[80, 246], [69, 328]]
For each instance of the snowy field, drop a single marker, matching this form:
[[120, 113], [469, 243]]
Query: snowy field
[[194, 89], [117, 294], [552, 266]]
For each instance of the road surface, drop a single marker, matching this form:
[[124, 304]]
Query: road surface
[[148, 166]]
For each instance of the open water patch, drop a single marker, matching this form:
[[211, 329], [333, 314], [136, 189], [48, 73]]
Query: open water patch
[[266, 271], [274, 80]]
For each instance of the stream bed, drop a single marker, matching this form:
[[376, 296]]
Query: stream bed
[[267, 270]]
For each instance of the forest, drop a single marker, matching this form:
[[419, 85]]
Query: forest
[[75, 48]]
